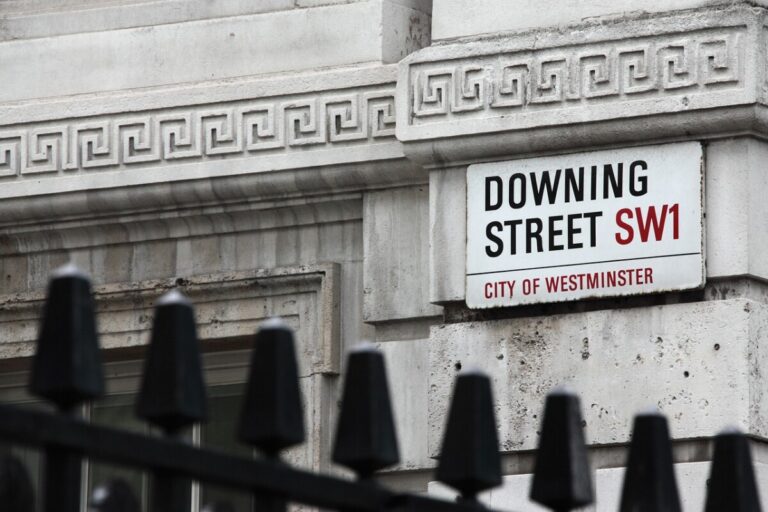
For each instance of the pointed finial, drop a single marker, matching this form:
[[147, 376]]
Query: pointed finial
[[173, 296], [67, 365], [365, 436], [562, 478], [469, 458], [649, 482], [272, 417], [172, 394], [732, 484], [114, 496]]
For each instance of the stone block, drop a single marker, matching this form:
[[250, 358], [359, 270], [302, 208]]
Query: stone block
[[465, 18], [511, 496], [694, 361], [447, 234], [395, 244], [407, 371], [691, 483], [23, 19], [373, 31]]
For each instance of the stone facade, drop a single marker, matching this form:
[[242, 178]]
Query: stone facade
[[308, 158]]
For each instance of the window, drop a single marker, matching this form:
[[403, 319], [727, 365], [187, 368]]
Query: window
[[225, 373]]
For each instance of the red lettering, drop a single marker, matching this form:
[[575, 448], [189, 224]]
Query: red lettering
[[675, 211], [624, 240], [649, 275], [552, 284], [651, 221]]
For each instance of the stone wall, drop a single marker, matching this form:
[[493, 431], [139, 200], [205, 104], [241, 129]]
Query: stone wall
[[309, 159]]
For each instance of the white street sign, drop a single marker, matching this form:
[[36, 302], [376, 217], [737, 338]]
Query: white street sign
[[598, 224]]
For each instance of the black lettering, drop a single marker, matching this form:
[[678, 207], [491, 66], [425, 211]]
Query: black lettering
[[489, 204], [592, 216], [533, 234], [554, 232], [593, 182], [494, 239], [521, 178], [610, 178], [546, 183], [634, 180], [573, 230], [574, 186], [512, 224]]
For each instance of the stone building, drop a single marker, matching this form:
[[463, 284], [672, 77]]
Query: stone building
[[309, 159]]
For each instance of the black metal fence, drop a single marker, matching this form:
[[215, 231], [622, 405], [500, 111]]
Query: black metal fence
[[67, 372]]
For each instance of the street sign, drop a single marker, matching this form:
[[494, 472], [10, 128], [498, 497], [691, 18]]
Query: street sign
[[598, 224]]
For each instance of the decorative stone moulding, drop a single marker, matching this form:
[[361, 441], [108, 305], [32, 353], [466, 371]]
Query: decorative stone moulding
[[227, 305], [281, 129], [691, 73], [252, 139]]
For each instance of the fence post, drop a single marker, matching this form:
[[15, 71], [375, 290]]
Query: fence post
[[16, 492], [732, 484], [172, 394], [649, 481], [66, 371], [562, 479], [365, 435], [272, 417], [469, 459]]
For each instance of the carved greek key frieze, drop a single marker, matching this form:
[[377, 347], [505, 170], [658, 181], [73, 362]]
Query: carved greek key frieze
[[240, 128], [576, 76]]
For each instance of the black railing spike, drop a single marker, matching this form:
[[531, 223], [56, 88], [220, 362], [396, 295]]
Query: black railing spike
[[172, 394], [732, 484], [469, 458], [365, 436], [649, 481], [562, 479], [114, 496], [16, 491], [272, 416], [66, 369]]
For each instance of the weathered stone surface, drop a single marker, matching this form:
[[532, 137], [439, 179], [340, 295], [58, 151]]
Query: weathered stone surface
[[465, 18], [691, 481], [396, 229], [447, 234], [695, 361], [736, 187], [211, 49], [408, 374]]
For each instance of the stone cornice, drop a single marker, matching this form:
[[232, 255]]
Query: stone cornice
[[671, 76], [200, 132], [241, 141]]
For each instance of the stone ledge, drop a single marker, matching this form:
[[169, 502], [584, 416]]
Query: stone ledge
[[254, 133], [662, 77], [226, 305], [255, 139]]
